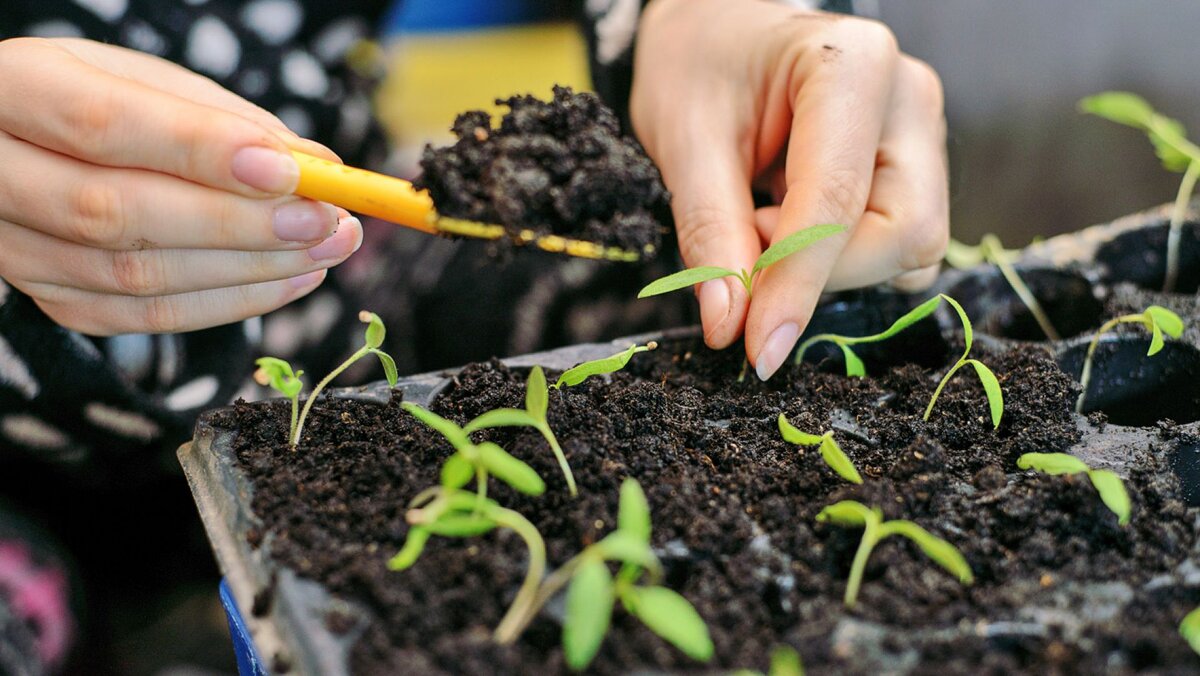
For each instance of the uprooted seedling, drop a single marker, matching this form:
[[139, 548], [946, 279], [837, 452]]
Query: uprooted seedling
[[831, 453], [597, 367], [990, 250], [1157, 320], [1107, 484], [991, 386], [854, 514], [1173, 148], [537, 401], [278, 374]]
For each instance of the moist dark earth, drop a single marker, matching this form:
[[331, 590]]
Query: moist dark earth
[[556, 167], [1060, 587]]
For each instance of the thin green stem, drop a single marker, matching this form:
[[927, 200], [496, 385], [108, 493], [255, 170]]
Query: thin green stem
[[312, 397], [1178, 213], [481, 478], [506, 631], [747, 281], [993, 252], [295, 416], [1085, 376], [945, 379], [858, 568], [833, 338], [546, 591], [544, 428]]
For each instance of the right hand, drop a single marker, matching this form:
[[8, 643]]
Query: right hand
[[139, 197]]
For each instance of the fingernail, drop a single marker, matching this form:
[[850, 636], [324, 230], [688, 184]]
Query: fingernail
[[266, 169], [306, 280], [345, 242], [714, 303], [303, 221], [777, 348]]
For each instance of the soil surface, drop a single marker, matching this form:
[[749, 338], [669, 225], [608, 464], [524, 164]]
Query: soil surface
[[1060, 587], [557, 167]]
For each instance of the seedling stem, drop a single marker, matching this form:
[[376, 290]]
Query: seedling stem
[[1158, 320]]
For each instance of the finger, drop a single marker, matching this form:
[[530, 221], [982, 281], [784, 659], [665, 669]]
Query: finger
[[135, 209], [105, 315], [159, 272], [837, 121], [713, 209], [93, 115], [916, 280]]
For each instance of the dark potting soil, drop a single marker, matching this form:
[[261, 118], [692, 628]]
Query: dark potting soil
[[556, 167], [1060, 588]]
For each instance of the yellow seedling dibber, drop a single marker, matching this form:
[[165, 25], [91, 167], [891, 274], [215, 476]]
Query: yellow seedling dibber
[[397, 201]]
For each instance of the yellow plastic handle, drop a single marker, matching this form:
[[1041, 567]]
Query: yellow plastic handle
[[366, 192]]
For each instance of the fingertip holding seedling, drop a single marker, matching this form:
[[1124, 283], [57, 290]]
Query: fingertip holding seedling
[[581, 372], [1157, 320], [1107, 484], [854, 514], [831, 452]]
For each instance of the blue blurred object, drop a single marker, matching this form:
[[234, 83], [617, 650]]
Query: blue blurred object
[[431, 16], [248, 661]]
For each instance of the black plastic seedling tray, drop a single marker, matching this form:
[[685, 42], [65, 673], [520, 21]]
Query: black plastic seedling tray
[[1076, 275]]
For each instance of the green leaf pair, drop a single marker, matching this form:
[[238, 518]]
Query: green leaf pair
[[1107, 484], [854, 514], [1156, 319], [831, 453], [785, 247], [1167, 135], [581, 372]]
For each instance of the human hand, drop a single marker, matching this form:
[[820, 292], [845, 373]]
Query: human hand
[[137, 196], [820, 110]]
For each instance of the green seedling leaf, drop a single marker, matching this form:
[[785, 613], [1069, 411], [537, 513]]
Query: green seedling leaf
[[785, 661], [375, 331], [669, 615], [456, 472], [452, 432], [414, 544], [1112, 492], [633, 512], [588, 612], [1052, 463], [968, 333], [849, 513], [856, 369], [628, 548], [1168, 136], [794, 243], [794, 436], [389, 366], [577, 374], [684, 279], [537, 397], [854, 365], [1121, 107], [838, 460], [991, 387], [1189, 629], [962, 256], [278, 374], [1170, 323], [466, 501], [1156, 339], [461, 525], [502, 417], [938, 550], [510, 470]]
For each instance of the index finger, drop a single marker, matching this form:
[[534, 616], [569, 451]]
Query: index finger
[[841, 93]]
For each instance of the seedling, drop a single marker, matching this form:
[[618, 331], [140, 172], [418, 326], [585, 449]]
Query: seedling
[[581, 372], [854, 365], [1170, 142], [775, 253], [1157, 320], [593, 591], [854, 514], [831, 453], [1189, 629], [990, 249], [534, 415], [991, 386], [477, 460], [278, 373], [785, 661], [1107, 484]]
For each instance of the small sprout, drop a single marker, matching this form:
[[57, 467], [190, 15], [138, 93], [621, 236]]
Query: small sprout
[[1107, 484], [581, 372], [278, 373], [775, 253], [1157, 320], [1189, 629], [785, 661], [855, 514], [991, 386], [831, 453], [1173, 148], [854, 365], [990, 249], [534, 415]]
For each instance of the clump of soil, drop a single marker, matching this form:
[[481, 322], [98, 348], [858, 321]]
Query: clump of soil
[[1061, 587], [556, 167]]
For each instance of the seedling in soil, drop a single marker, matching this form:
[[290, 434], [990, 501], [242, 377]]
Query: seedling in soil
[[1157, 320], [1108, 485], [1170, 142], [278, 373], [991, 386], [537, 400], [581, 372], [592, 591], [854, 365], [854, 514], [785, 661], [831, 453], [775, 253], [1189, 629], [990, 249], [476, 460]]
